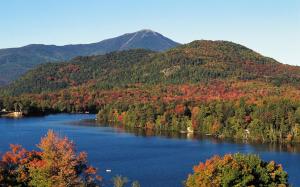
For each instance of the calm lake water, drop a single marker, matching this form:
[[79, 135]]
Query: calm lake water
[[152, 160]]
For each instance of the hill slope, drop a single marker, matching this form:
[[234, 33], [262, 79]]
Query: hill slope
[[16, 61], [199, 61]]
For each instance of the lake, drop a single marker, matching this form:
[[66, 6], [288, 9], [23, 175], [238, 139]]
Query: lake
[[157, 161]]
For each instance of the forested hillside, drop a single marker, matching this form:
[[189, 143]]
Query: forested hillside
[[199, 61], [14, 62], [54, 76]]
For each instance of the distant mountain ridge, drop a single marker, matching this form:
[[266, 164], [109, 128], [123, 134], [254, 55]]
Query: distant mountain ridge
[[16, 61]]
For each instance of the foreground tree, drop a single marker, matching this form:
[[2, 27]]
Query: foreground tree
[[57, 164], [14, 166], [237, 170]]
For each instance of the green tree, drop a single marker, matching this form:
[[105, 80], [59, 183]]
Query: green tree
[[237, 170]]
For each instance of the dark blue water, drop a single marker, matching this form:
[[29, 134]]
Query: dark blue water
[[154, 161]]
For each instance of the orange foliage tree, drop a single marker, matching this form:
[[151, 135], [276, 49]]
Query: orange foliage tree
[[57, 164]]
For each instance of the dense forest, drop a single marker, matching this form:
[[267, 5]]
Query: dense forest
[[244, 110], [275, 121], [216, 88], [55, 76]]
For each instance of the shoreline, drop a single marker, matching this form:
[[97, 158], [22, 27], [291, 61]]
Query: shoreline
[[189, 135], [20, 115], [10, 114]]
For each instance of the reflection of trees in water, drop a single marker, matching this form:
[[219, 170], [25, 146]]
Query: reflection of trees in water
[[258, 146], [277, 147], [272, 147]]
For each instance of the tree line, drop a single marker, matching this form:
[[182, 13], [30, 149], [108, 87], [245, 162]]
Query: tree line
[[272, 121]]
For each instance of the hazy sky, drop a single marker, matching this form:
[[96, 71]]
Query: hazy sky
[[271, 27]]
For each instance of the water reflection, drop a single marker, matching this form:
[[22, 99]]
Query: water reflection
[[258, 146]]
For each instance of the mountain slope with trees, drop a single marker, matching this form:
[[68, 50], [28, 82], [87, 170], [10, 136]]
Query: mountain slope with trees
[[14, 62], [199, 61]]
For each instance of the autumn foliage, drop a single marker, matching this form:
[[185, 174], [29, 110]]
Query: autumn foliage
[[237, 170], [56, 164], [195, 87]]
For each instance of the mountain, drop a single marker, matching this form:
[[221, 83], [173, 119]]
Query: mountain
[[198, 61], [14, 62], [211, 87]]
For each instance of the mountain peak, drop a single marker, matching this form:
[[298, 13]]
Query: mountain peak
[[147, 30], [147, 39]]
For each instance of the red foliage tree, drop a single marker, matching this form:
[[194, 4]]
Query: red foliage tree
[[57, 164]]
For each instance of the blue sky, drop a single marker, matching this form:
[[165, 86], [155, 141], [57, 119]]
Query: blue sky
[[271, 27]]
